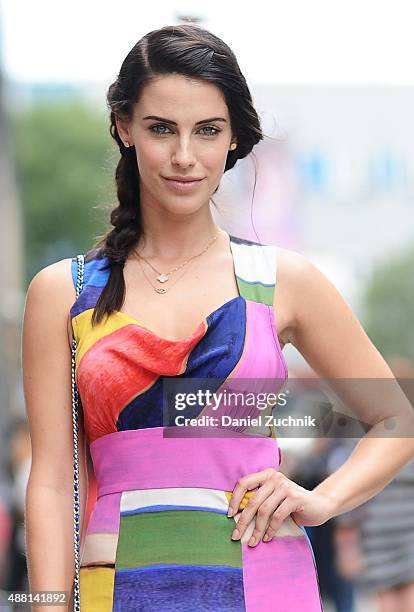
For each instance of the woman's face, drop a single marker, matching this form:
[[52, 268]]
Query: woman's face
[[180, 127]]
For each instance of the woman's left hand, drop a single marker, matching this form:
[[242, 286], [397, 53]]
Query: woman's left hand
[[275, 498]]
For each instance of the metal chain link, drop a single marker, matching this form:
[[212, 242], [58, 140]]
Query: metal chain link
[[75, 422]]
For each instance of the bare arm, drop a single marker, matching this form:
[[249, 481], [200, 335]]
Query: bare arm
[[328, 334], [46, 361]]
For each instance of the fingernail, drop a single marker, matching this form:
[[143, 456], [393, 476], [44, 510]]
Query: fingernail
[[230, 512], [265, 537], [252, 541], [235, 535]]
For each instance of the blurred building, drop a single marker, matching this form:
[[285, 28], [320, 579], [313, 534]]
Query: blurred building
[[333, 177], [11, 279]]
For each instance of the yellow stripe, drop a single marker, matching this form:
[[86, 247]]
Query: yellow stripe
[[87, 335], [97, 588]]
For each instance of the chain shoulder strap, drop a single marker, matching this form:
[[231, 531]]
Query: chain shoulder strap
[[80, 260]]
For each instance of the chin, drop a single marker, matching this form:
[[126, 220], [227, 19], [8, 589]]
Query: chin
[[186, 205], [182, 205]]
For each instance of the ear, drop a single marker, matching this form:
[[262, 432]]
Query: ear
[[123, 129]]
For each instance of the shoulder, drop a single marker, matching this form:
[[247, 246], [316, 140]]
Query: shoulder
[[54, 280], [324, 328], [302, 276], [293, 268], [50, 295], [302, 289], [312, 299], [58, 280]]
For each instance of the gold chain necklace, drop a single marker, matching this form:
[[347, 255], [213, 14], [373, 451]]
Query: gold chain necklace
[[160, 289], [163, 277]]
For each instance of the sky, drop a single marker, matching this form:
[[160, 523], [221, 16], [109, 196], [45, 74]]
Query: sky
[[276, 42]]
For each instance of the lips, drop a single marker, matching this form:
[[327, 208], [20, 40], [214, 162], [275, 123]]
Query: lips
[[183, 177], [182, 185]]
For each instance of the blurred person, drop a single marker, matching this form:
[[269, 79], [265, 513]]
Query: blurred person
[[379, 547], [336, 586], [181, 114], [5, 532], [346, 562], [19, 468]]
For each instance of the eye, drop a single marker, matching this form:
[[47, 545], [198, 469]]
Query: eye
[[160, 125], [210, 127]]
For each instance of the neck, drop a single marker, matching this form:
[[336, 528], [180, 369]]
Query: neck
[[177, 240]]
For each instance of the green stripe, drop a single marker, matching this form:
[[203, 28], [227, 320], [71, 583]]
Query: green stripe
[[257, 292], [185, 537]]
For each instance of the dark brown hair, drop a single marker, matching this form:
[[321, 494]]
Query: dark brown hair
[[185, 49]]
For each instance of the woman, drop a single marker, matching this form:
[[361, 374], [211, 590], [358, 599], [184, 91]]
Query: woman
[[187, 522]]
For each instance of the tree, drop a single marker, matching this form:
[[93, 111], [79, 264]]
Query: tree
[[65, 163], [389, 306]]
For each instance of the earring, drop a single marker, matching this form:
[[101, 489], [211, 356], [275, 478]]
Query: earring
[[126, 144], [233, 146]]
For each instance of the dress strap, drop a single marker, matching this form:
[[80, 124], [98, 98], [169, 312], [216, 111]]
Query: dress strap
[[255, 267], [79, 262], [80, 269]]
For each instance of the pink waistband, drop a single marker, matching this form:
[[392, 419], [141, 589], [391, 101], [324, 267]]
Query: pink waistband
[[145, 459]]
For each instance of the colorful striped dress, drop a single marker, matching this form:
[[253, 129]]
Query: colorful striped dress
[[159, 538]]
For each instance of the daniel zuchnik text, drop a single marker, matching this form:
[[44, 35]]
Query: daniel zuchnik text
[[259, 421]]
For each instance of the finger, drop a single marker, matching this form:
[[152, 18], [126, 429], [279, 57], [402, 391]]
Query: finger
[[264, 515], [279, 515], [245, 483], [251, 508]]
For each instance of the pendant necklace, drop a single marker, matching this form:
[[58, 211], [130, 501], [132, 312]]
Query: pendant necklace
[[164, 277]]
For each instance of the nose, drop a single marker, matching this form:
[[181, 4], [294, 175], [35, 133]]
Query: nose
[[183, 153]]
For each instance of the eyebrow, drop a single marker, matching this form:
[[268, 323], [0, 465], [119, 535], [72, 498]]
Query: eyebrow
[[155, 118]]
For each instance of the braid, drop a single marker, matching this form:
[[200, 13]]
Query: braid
[[125, 234]]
